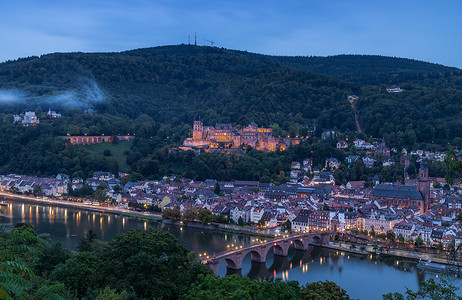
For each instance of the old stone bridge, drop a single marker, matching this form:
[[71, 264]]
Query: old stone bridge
[[259, 251]]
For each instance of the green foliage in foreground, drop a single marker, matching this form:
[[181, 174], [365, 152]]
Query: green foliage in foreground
[[429, 289], [146, 265], [19, 249], [236, 287]]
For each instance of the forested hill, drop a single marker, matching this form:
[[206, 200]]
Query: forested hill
[[174, 85], [156, 93], [177, 84], [377, 70]]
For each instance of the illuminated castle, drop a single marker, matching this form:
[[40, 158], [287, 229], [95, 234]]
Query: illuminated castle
[[227, 137]]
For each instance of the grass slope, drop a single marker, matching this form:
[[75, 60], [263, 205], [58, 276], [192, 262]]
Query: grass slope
[[117, 150]]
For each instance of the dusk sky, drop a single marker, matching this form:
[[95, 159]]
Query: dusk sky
[[423, 30]]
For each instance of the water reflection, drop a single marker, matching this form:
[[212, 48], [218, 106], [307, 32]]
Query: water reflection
[[361, 276]]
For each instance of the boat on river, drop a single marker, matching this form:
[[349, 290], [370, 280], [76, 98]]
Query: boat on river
[[431, 266], [440, 268]]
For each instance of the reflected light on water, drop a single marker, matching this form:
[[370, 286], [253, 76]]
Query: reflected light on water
[[304, 267]]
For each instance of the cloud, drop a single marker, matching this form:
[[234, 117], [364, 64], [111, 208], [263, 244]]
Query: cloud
[[11, 96], [89, 93]]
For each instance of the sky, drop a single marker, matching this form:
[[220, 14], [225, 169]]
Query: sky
[[423, 30]]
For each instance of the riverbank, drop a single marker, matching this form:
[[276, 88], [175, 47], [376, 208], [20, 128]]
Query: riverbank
[[393, 253], [130, 213], [217, 227], [63, 203]]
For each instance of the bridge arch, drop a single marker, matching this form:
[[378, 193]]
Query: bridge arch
[[316, 240], [233, 264], [301, 244], [257, 256]]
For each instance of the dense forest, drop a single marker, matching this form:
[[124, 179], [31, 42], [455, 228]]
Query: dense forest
[[156, 93], [378, 70]]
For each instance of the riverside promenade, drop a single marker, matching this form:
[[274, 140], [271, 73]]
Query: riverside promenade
[[393, 253], [89, 207]]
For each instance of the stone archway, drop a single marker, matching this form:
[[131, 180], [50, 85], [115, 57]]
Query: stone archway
[[301, 244], [316, 240], [232, 264]]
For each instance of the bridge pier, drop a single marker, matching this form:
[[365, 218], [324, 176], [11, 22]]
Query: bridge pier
[[213, 265], [259, 255]]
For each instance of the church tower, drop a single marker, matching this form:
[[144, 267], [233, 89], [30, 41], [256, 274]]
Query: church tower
[[424, 184], [198, 128]]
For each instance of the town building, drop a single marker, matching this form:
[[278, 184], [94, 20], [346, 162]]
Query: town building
[[30, 119], [406, 196], [53, 114]]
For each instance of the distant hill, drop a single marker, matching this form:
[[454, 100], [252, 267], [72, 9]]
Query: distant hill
[[374, 69], [177, 84], [156, 93], [174, 85]]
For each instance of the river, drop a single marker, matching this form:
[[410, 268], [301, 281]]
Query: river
[[363, 277]]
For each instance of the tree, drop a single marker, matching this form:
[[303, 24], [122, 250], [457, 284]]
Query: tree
[[391, 235], [401, 238], [286, 226], [217, 189], [429, 289], [110, 294], [82, 274], [240, 221], [143, 263], [51, 257], [90, 242], [372, 232], [18, 250], [204, 216], [100, 195], [419, 241], [150, 263], [172, 214], [323, 290], [37, 190], [236, 287], [189, 215]]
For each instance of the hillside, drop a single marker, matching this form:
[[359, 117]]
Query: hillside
[[178, 84], [377, 70], [156, 93]]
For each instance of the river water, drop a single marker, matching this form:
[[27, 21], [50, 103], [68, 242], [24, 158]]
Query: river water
[[363, 277]]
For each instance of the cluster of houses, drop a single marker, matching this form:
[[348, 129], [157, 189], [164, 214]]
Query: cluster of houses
[[415, 209], [27, 184], [30, 118], [378, 152]]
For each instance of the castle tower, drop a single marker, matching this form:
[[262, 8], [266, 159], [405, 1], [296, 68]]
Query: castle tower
[[198, 129], [424, 184]]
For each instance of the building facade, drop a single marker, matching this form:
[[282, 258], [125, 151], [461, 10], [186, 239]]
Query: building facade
[[228, 137]]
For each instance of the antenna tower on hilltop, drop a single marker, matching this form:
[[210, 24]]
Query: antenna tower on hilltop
[[195, 39], [211, 42]]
